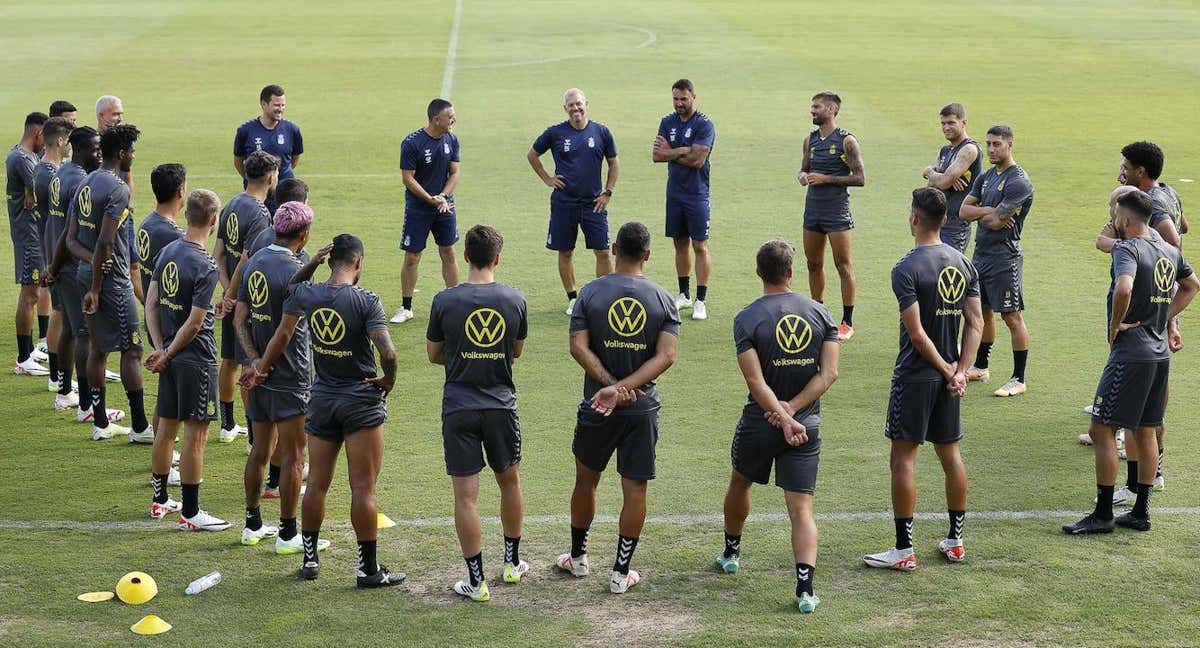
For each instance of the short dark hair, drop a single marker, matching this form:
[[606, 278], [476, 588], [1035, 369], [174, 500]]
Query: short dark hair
[[61, 106], [166, 179], [955, 109], [1002, 130], [291, 189], [270, 91], [81, 134], [347, 248], [202, 206], [831, 97], [929, 204], [1146, 155], [259, 164], [35, 119], [436, 107], [56, 127], [774, 260], [684, 84], [633, 241], [1137, 202], [118, 138], [483, 245]]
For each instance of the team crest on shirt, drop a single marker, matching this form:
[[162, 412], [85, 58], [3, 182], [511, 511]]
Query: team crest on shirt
[[1001, 187], [279, 139], [591, 142], [428, 156], [833, 149], [687, 133], [258, 143], [446, 148], [485, 327], [566, 144], [672, 135], [793, 334], [327, 326], [627, 317]]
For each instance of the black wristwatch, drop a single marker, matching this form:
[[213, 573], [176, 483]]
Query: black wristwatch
[[607, 192]]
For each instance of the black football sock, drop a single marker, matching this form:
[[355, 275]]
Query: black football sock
[[985, 353], [85, 390], [956, 524], [475, 569], [24, 347], [53, 365], [273, 476], [64, 377], [848, 315], [733, 545], [904, 533], [160, 488], [287, 528], [254, 518], [309, 540], [191, 500], [572, 294], [685, 286], [137, 409], [512, 550], [578, 542], [804, 579], [406, 303], [367, 564], [1141, 507], [99, 412], [43, 326], [226, 415], [1131, 477], [625, 547], [701, 293], [1104, 495], [1019, 358]]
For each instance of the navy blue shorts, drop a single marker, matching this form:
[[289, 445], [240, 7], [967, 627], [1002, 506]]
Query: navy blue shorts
[[419, 224], [567, 219], [688, 217]]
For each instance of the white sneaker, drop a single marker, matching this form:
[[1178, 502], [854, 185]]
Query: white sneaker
[[202, 521], [39, 355], [952, 549], [304, 472], [64, 402], [402, 315], [1121, 443], [620, 583], [1090, 410], [898, 559], [479, 593], [577, 567], [513, 573], [231, 435], [30, 368], [1085, 439], [296, 545], [42, 347], [682, 301], [102, 434], [571, 307], [699, 311], [112, 376], [144, 437], [85, 415], [173, 477], [53, 385], [160, 511], [251, 537], [174, 457], [1160, 484], [1123, 497], [1011, 388]]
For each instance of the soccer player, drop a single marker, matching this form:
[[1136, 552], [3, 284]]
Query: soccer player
[[66, 110], [243, 218], [348, 404], [103, 230], [579, 147], [278, 406], [19, 167], [476, 329], [1141, 331], [787, 351], [62, 274], [624, 333], [685, 140], [938, 292], [1000, 200], [429, 165], [54, 137], [179, 314], [159, 228], [272, 133], [958, 163], [832, 162]]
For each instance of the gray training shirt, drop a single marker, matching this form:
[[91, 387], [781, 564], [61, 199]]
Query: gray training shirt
[[340, 317], [939, 279], [242, 219], [623, 315], [103, 196], [187, 276], [19, 167], [264, 289], [157, 231], [1005, 190], [1156, 266]]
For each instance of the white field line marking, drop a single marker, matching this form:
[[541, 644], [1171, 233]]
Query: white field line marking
[[651, 38], [305, 176], [451, 51], [552, 520]]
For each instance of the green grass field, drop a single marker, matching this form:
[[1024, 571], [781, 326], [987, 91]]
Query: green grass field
[[1076, 80]]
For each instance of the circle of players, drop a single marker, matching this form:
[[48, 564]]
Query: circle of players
[[310, 380]]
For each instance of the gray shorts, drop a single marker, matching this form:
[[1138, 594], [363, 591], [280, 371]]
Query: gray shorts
[[29, 260], [1001, 284], [333, 419], [923, 411], [188, 392], [1132, 394], [70, 293], [632, 437], [273, 406], [467, 435], [826, 223], [758, 445]]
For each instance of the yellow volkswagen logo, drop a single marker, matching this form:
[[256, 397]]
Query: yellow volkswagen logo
[[951, 284], [627, 317], [1164, 274], [231, 228], [485, 327], [143, 244], [85, 201], [169, 280], [793, 333], [327, 325], [256, 285], [55, 188]]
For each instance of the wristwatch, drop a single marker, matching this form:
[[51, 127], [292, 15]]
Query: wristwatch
[[608, 192]]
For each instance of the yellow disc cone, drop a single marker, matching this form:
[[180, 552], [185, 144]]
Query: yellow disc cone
[[150, 625], [136, 588], [95, 597], [384, 522]]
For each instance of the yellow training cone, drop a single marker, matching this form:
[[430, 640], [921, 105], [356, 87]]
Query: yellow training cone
[[136, 588], [150, 625], [95, 597], [384, 522]]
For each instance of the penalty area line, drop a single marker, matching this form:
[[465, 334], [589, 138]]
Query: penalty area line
[[553, 520]]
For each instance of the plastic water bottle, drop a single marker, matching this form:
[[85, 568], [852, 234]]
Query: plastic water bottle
[[202, 583]]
